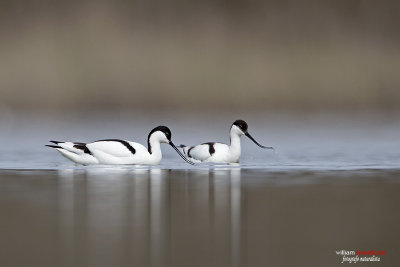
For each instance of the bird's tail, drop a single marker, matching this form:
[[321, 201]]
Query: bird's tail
[[56, 142], [73, 147], [52, 146]]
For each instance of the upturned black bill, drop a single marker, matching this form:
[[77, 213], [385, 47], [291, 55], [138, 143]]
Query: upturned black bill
[[180, 154], [252, 139]]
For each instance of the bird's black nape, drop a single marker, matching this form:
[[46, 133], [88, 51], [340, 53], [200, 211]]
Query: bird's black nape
[[163, 129], [241, 124]]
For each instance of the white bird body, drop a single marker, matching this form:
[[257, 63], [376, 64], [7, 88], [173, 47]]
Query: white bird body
[[76, 155], [221, 153], [215, 152], [115, 151]]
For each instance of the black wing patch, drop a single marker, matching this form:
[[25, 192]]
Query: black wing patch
[[188, 153], [211, 148], [125, 143], [83, 147]]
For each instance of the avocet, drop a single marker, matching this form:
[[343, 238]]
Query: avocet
[[115, 151], [218, 152]]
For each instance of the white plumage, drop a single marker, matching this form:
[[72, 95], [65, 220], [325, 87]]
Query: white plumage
[[116, 151], [68, 150], [218, 152]]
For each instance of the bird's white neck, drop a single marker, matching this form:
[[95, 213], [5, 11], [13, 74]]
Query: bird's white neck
[[154, 149], [234, 148]]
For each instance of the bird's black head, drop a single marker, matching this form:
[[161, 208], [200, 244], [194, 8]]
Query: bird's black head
[[163, 129], [241, 124], [167, 132]]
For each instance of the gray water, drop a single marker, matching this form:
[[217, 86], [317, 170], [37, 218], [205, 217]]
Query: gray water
[[326, 141], [331, 184]]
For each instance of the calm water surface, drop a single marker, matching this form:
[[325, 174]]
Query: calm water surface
[[331, 184]]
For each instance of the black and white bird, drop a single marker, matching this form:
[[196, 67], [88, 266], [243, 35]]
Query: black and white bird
[[115, 151], [218, 152]]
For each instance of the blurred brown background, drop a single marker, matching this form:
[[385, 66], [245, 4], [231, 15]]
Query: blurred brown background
[[190, 55]]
